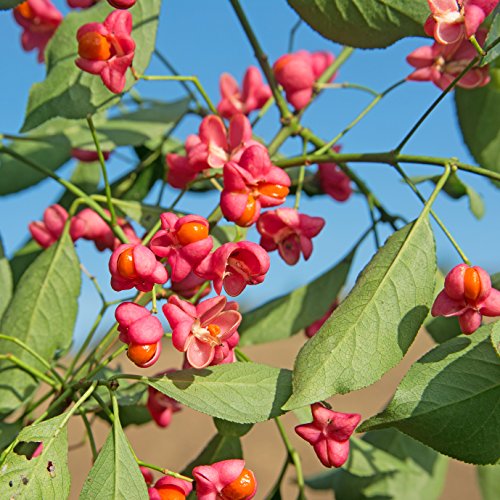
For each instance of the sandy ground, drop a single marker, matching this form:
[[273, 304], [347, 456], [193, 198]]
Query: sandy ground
[[189, 431]]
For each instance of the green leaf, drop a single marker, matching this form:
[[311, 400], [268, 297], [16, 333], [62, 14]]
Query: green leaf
[[8, 432], [134, 128], [456, 188], [5, 280], [221, 447], [495, 281], [286, 315], [69, 92], [493, 34], [49, 152], [238, 392], [449, 400], [364, 23], [9, 4], [146, 215], [227, 428], [371, 330], [86, 176], [389, 465], [476, 203], [495, 337], [489, 481], [46, 476], [442, 329], [115, 474], [226, 234], [480, 124], [23, 258], [42, 314]]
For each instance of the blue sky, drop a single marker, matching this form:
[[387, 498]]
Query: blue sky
[[204, 38]]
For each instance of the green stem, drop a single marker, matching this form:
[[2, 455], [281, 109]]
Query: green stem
[[51, 408], [347, 85], [440, 223], [90, 434], [94, 281], [294, 456], [263, 111], [241, 355], [176, 78], [199, 293], [162, 470], [437, 190], [371, 207], [389, 157], [33, 353], [86, 342], [433, 106], [478, 47], [104, 171], [72, 188], [33, 406], [293, 32], [300, 181], [157, 226], [283, 134], [21, 138], [104, 406], [262, 59], [154, 309], [344, 55], [300, 184], [108, 360], [170, 68], [277, 485], [214, 217], [37, 374], [308, 135], [361, 115]]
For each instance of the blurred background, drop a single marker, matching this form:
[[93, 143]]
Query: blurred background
[[205, 39]]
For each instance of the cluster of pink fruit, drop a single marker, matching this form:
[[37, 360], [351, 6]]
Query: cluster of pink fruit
[[107, 49], [206, 330]]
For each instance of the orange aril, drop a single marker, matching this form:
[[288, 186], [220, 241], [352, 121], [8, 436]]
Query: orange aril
[[94, 46], [214, 330], [170, 492], [125, 264], [191, 232], [273, 190], [241, 488], [472, 284], [141, 354], [246, 217], [25, 10], [282, 62]]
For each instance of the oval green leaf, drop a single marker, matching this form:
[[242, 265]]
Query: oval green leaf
[[220, 447], [489, 481], [6, 281], [449, 400], [364, 23], [115, 474], [371, 330], [42, 314], [386, 464], [46, 476], [480, 124], [286, 315], [245, 393], [48, 152]]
